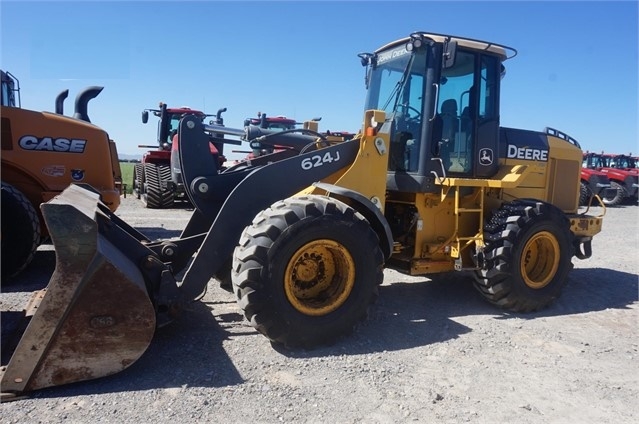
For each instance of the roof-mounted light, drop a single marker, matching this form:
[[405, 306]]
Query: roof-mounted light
[[415, 42]]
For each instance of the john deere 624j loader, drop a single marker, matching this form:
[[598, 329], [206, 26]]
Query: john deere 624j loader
[[431, 184]]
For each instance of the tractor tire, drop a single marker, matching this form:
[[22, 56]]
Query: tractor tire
[[138, 180], [307, 270], [156, 195], [615, 196], [584, 194], [528, 256], [20, 231]]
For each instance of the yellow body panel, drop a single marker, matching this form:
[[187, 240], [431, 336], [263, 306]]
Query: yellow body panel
[[367, 174], [449, 222], [555, 181]]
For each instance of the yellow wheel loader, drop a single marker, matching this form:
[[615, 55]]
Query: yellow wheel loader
[[430, 184]]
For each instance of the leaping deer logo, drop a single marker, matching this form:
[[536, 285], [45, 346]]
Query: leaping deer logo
[[486, 157]]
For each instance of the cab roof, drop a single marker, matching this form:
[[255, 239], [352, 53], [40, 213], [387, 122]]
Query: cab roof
[[504, 52]]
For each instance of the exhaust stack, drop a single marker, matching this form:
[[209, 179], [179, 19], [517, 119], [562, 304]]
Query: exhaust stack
[[59, 102], [81, 101]]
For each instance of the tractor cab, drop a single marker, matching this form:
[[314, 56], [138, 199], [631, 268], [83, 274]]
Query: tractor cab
[[10, 90], [168, 121], [441, 98], [626, 162]]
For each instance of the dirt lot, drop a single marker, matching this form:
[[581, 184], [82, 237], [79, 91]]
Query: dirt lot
[[432, 351]]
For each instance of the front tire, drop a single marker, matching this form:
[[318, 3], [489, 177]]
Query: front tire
[[307, 270], [528, 256], [615, 195], [584, 194], [20, 231]]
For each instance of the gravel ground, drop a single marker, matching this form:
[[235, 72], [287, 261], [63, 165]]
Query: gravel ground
[[432, 351]]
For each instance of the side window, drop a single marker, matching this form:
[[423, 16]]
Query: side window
[[405, 145], [6, 97], [413, 120], [173, 127], [416, 89], [488, 96], [454, 130]]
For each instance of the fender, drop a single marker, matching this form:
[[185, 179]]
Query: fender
[[371, 212]]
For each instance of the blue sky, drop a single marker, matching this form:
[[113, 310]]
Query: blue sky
[[576, 70]]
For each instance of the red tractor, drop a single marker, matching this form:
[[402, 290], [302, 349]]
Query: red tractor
[[157, 180], [283, 124], [594, 182], [278, 123], [624, 183]]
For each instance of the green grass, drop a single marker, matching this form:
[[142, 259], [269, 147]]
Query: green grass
[[127, 175]]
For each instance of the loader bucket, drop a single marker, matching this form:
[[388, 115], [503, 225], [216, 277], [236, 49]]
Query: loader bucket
[[93, 319]]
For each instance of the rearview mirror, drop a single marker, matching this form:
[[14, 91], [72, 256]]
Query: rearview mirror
[[450, 52]]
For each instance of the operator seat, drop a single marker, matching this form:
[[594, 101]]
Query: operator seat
[[466, 122]]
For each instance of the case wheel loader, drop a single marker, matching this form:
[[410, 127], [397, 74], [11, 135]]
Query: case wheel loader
[[42, 153], [430, 184]]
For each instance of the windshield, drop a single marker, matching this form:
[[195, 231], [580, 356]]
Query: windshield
[[397, 87], [279, 126], [173, 125], [624, 162], [397, 79]]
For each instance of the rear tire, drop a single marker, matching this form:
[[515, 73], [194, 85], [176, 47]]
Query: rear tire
[[156, 194], [615, 195], [307, 270], [20, 231], [528, 256]]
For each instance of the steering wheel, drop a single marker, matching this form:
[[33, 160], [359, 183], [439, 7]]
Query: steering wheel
[[409, 108]]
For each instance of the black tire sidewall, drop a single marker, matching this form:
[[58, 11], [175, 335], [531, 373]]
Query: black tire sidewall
[[617, 198], [20, 231], [584, 194], [137, 180], [353, 236], [562, 236]]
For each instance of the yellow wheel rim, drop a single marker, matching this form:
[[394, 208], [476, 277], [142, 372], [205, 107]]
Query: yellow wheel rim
[[319, 277], [540, 260]]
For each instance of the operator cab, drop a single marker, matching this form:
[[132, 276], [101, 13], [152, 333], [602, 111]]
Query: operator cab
[[441, 98], [10, 90]]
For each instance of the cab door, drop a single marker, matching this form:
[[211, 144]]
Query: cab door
[[466, 134]]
